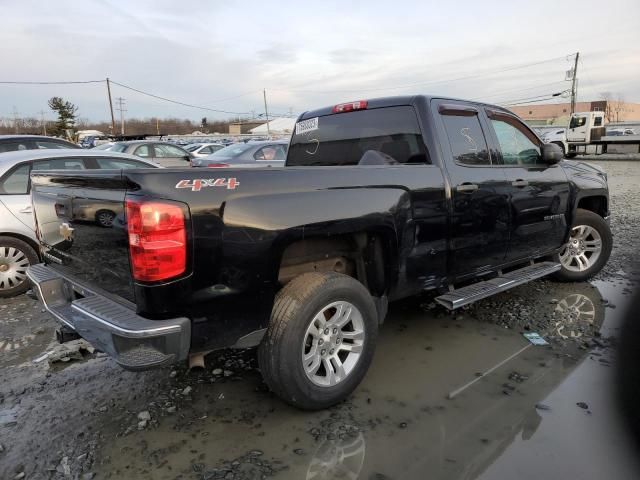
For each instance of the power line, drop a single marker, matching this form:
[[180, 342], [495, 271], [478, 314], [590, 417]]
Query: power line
[[176, 101], [75, 82], [465, 77], [518, 90]]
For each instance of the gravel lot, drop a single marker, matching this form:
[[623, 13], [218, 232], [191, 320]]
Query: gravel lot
[[84, 417]]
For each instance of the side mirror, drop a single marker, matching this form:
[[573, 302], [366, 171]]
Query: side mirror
[[187, 158], [551, 153]]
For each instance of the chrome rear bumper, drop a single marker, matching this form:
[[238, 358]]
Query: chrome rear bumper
[[135, 342]]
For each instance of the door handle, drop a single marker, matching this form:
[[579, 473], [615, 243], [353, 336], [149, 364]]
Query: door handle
[[26, 210], [520, 183], [467, 187]]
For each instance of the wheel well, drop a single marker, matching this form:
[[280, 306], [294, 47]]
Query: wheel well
[[24, 238], [594, 204], [359, 255]]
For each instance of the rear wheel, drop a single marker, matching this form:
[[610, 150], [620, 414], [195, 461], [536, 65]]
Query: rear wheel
[[105, 218], [15, 256], [320, 340], [588, 248]]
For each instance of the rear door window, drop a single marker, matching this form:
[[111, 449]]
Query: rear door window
[[59, 164], [142, 151], [50, 144], [466, 139], [16, 182], [388, 135], [271, 152], [119, 163], [14, 146]]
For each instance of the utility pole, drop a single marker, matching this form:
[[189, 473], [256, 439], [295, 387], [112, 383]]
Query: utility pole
[[113, 120], [574, 84], [266, 111], [121, 109], [158, 126], [43, 123]]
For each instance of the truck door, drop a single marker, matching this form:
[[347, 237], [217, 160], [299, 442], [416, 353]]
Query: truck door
[[479, 226], [539, 192], [578, 127]]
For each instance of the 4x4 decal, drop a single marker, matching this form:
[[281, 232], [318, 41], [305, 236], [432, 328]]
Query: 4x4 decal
[[198, 184]]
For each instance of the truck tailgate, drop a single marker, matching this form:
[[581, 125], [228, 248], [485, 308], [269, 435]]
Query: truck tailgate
[[80, 223]]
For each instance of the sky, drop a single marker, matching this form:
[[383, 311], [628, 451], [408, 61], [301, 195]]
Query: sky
[[222, 55]]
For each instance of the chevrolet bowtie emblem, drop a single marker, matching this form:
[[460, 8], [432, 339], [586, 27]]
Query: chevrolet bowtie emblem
[[66, 231]]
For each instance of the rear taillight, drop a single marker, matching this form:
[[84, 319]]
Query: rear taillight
[[350, 106], [218, 165], [157, 240]]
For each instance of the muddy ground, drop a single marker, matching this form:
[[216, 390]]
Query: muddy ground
[[448, 396]]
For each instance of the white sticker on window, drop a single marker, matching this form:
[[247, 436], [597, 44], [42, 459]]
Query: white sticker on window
[[307, 126]]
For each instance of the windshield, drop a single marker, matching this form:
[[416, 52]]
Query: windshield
[[380, 136], [192, 147], [232, 150]]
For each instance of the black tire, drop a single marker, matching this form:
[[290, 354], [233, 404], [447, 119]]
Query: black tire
[[279, 354], [7, 288], [105, 218], [561, 145], [591, 219]]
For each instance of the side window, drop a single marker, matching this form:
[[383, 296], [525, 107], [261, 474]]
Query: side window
[[597, 122], [119, 163], [168, 151], [516, 146], [468, 143], [142, 151], [16, 182], [270, 152], [46, 144], [13, 146], [205, 150], [577, 122], [59, 164]]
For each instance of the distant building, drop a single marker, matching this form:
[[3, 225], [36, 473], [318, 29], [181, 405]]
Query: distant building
[[238, 128], [559, 113]]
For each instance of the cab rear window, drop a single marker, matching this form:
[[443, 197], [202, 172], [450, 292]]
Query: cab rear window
[[381, 136]]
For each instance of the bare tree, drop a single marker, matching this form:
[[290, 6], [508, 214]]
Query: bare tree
[[613, 107]]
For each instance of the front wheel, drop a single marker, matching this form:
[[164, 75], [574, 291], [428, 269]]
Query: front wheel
[[588, 248], [320, 340]]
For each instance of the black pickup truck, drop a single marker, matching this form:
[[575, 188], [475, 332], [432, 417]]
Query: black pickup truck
[[379, 200]]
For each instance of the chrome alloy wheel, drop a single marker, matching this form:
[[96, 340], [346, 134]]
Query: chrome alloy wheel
[[583, 249], [333, 343], [13, 267]]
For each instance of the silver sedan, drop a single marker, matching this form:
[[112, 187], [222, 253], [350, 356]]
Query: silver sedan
[[18, 243]]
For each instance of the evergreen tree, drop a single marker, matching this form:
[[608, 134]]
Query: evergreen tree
[[66, 115]]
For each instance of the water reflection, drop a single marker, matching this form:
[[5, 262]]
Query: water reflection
[[338, 459]]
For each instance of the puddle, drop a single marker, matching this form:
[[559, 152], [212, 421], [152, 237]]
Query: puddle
[[401, 422]]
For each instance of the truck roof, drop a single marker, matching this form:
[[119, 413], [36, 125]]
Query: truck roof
[[393, 101]]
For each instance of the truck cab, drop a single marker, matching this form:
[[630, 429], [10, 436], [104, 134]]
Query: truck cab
[[584, 127]]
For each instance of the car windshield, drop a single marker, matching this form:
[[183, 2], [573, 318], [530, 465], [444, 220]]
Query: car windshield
[[112, 147], [192, 147], [232, 150]]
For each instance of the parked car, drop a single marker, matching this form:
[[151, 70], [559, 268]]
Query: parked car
[[619, 131], [11, 143], [18, 243], [246, 155], [163, 153], [379, 200], [203, 149]]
